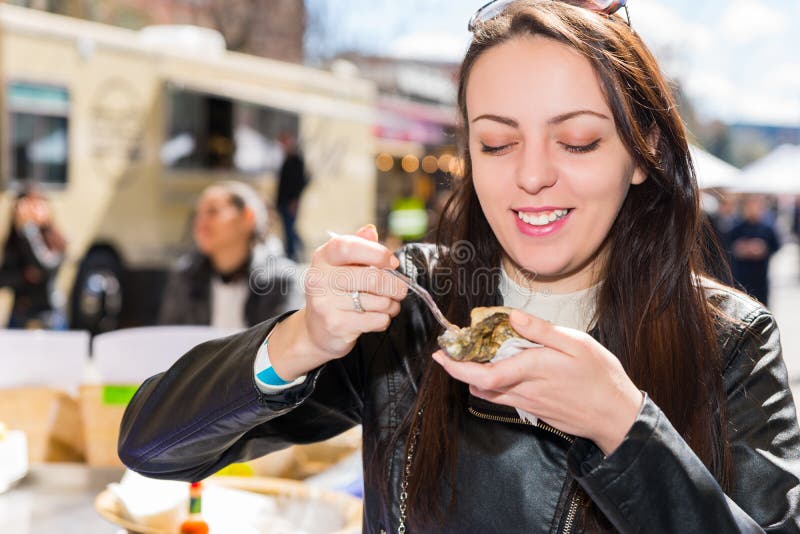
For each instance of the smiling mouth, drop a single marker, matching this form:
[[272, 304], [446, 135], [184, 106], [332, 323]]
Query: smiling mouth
[[543, 218]]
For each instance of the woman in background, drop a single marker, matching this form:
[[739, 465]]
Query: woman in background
[[235, 277], [32, 255]]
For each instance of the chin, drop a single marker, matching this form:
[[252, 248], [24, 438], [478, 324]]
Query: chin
[[542, 265]]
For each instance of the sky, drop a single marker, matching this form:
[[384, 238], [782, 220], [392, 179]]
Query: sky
[[738, 60]]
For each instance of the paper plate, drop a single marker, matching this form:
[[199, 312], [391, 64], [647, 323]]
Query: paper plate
[[109, 507]]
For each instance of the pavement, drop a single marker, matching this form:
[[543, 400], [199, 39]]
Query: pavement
[[785, 305]]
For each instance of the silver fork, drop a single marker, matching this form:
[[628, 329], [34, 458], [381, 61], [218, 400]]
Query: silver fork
[[426, 298], [419, 290]]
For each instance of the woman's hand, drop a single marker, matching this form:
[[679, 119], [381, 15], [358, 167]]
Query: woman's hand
[[23, 213], [573, 383], [329, 325]]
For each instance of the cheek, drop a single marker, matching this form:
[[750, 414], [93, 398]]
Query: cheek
[[603, 181], [234, 227], [601, 197], [202, 226], [494, 186], [600, 190]]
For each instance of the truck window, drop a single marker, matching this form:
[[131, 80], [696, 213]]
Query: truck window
[[211, 132], [39, 120]]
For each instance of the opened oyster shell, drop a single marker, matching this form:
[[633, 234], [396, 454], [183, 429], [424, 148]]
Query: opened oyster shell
[[489, 328]]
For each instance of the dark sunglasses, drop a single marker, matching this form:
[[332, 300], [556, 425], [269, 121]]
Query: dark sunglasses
[[496, 7]]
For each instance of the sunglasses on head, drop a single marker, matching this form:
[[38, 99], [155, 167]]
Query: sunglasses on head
[[496, 7]]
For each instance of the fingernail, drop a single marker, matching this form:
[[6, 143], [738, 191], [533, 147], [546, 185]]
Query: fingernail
[[438, 357], [394, 262]]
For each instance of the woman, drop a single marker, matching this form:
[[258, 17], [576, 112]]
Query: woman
[[33, 252], [234, 279], [672, 414]]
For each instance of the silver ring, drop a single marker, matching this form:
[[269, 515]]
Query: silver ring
[[357, 302]]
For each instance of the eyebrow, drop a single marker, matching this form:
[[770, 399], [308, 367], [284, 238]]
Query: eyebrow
[[554, 120]]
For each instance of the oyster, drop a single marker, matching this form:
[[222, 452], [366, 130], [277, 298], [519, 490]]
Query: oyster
[[489, 328]]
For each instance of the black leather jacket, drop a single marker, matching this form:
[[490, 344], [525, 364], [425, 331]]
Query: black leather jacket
[[271, 281], [206, 412]]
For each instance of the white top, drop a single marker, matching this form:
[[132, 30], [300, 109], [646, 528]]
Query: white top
[[227, 303], [572, 310]]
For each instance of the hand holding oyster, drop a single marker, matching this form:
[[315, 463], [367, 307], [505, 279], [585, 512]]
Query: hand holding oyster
[[489, 329]]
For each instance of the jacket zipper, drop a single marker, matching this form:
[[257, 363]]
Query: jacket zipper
[[571, 513], [539, 424], [575, 500]]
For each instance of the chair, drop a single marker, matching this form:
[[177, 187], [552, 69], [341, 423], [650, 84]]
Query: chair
[[40, 373], [132, 355], [43, 358]]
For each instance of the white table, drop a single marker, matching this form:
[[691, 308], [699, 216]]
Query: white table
[[57, 498]]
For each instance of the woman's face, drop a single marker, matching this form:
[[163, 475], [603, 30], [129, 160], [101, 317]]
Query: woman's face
[[220, 225], [550, 171]]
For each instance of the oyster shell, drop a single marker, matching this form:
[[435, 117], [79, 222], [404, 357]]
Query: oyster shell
[[489, 328]]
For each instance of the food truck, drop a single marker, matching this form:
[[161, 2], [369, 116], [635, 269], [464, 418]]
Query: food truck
[[123, 129]]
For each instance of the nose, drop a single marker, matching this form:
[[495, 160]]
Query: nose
[[535, 170]]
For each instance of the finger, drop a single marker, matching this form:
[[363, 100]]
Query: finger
[[499, 397], [356, 250], [367, 280], [529, 365], [566, 340], [370, 303], [482, 375], [368, 232], [513, 400], [370, 321]]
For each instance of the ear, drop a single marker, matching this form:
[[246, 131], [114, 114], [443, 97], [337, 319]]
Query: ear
[[653, 136], [249, 217], [639, 176]]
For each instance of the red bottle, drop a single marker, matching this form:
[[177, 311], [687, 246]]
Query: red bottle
[[195, 524]]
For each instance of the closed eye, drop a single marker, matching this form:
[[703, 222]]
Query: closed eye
[[489, 149], [581, 149]]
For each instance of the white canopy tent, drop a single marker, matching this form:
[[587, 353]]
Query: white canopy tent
[[711, 171], [776, 173]]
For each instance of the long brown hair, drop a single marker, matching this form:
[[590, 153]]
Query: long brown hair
[[652, 312]]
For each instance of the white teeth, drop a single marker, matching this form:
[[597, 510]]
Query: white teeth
[[542, 219]]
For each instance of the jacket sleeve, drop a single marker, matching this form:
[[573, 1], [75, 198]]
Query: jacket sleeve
[[11, 268], [654, 482], [206, 411]]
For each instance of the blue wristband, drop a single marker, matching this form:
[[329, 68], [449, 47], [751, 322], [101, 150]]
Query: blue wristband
[[271, 378], [268, 381]]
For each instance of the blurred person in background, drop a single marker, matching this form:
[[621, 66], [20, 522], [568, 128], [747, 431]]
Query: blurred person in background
[[293, 179], [236, 276], [33, 252], [723, 221], [753, 241]]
